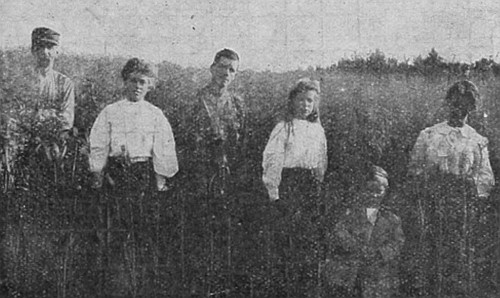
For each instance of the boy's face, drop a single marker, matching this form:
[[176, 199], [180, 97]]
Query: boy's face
[[137, 86], [373, 193], [304, 103], [45, 54], [224, 71]]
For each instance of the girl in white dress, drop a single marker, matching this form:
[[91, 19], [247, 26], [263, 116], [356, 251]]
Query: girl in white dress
[[294, 164]]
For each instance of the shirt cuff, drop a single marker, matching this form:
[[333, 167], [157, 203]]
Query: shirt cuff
[[273, 194]]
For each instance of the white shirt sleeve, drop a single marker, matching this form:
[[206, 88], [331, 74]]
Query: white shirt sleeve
[[484, 178], [273, 160], [418, 155], [323, 163], [68, 105], [164, 154], [100, 138]]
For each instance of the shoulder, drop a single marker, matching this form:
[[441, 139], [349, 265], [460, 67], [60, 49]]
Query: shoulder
[[154, 110], [437, 128], [280, 125], [62, 78], [390, 216], [201, 93], [475, 136], [113, 107], [432, 131], [317, 125]]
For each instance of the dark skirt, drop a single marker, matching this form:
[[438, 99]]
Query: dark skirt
[[296, 235], [444, 242], [123, 178]]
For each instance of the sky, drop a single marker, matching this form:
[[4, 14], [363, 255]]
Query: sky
[[276, 35]]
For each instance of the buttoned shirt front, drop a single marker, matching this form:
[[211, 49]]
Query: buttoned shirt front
[[298, 144], [136, 130], [225, 112], [460, 151]]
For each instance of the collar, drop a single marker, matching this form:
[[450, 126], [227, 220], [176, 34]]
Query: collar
[[215, 91], [216, 97], [43, 73], [127, 102], [466, 131]]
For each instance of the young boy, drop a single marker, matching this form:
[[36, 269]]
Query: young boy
[[365, 245], [130, 134]]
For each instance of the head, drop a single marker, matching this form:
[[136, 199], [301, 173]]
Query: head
[[303, 100], [224, 68], [374, 187], [461, 99], [139, 78], [44, 47]]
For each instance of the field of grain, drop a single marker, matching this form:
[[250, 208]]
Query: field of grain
[[67, 240]]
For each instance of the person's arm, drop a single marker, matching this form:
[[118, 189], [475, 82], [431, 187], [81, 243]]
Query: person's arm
[[164, 154], [100, 139], [418, 159], [323, 163], [392, 248], [273, 159], [201, 134], [484, 176], [67, 108], [345, 240]]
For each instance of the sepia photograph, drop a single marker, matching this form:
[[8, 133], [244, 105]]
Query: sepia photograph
[[259, 148]]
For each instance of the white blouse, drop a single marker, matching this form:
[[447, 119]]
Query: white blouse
[[458, 151], [299, 145], [137, 129]]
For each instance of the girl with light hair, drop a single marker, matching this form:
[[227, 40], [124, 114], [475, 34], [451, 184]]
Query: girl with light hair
[[294, 164]]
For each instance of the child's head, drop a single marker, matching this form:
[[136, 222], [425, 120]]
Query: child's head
[[139, 78], [374, 188], [44, 46], [303, 100], [224, 67]]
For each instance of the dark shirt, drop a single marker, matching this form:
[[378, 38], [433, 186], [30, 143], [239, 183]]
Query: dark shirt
[[219, 129]]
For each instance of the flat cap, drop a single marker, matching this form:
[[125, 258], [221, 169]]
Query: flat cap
[[43, 35]]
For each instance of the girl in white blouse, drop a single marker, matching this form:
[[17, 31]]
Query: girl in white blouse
[[294, 164], [298, 142]]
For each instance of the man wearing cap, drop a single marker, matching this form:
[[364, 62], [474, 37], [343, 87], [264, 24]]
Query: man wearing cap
[[56, 91]]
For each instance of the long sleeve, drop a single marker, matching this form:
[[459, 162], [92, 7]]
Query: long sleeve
[[484, 178], [273, 159], [393, 246], [99, 143], [344, 237], [164, 154], [324, 159], [68, 105], [418, 157]]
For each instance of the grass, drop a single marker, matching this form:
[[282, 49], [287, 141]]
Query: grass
[[366, 117]]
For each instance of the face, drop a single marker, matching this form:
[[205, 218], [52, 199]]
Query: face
[[304, 103], [137, 86], [224, 72], [45, 54], [373, 193]]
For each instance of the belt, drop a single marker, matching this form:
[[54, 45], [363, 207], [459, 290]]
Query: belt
[[130, 159]]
